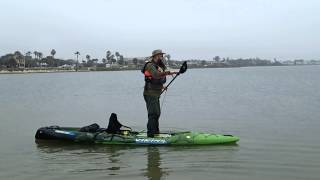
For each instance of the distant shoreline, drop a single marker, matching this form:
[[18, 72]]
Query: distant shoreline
[[57, 71], [34, 71], [111, 69]]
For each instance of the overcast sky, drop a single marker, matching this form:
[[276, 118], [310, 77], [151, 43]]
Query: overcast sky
[[282, 29]]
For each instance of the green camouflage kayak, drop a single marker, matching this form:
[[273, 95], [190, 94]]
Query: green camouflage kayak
[[128, 137]]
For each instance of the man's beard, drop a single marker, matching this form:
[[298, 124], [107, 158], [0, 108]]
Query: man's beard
[[161, 64]]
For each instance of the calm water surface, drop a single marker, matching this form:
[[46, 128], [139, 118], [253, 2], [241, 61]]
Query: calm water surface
[[274, 110]]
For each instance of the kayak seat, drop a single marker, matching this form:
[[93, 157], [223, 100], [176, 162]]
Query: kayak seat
[[115, 127]]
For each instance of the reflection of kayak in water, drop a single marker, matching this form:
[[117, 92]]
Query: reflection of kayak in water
[[116, 133], [132, 137]]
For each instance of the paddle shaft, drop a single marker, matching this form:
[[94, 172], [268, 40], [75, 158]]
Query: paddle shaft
[[170, 83], [182, 70]]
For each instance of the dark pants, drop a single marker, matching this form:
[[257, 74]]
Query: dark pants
[[153, 108]]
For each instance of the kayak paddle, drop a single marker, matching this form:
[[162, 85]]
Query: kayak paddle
[[182, 70]]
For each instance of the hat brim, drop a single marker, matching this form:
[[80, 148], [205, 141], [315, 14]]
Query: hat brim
[[158, 54]]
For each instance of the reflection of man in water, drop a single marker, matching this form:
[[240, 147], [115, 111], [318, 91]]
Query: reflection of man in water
[[154, 172]]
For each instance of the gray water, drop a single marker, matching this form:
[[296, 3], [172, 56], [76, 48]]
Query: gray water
[[274, 111]]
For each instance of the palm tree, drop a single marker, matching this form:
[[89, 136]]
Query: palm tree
[[89, 62], [40, 57], [77, 54], [36, 57], [117, 54], [88, 57], [113, 60], [35, 54], [53, 52], [108, 55], [28, 54], [168, 57]]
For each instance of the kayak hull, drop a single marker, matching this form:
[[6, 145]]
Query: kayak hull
[[72, 134]]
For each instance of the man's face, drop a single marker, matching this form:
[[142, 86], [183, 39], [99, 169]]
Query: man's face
[[159, 57]]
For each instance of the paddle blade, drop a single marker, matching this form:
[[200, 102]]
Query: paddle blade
[[183, 68]]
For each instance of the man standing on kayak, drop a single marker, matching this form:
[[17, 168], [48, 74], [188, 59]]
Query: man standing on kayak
[[155, 77]]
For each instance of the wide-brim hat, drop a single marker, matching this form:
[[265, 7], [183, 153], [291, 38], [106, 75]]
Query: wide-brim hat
[[156, 52]]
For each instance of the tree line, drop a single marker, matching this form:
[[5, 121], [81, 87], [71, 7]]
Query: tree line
[[36, 59]]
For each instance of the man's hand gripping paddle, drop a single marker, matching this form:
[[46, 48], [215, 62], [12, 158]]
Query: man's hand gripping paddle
[[182, 70]]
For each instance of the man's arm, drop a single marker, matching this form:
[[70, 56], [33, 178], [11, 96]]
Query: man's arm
[[156, 74]]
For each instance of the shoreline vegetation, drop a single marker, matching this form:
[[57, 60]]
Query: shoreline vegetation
[[18, 63]]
